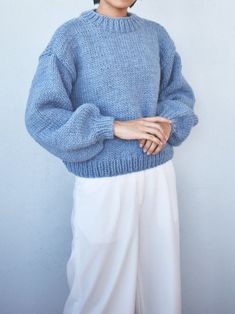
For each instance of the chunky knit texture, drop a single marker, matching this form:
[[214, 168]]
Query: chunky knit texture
[[97, 68]]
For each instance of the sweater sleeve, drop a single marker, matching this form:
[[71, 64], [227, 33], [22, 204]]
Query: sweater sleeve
[[176, 97], [70, 134]]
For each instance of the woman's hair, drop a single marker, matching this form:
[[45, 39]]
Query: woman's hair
[[98, 1]]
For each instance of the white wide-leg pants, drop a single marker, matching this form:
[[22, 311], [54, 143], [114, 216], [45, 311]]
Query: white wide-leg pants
[[125, 252]]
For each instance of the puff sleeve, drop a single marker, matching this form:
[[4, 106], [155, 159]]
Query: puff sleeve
[[70, 134], [176, 97]]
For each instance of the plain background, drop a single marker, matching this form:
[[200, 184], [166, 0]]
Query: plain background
[[36, 189]]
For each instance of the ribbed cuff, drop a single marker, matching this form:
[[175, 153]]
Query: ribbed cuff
[[173, 127], [105, 127]]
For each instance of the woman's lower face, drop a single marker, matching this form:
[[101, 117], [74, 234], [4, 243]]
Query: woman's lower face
[[125, 252]]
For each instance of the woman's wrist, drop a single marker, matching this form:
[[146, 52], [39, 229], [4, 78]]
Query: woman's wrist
[[116, 127]]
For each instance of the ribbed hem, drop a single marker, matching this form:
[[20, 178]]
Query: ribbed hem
[[121, 24], [118, 166]]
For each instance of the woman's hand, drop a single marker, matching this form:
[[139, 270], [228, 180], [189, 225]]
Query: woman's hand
[[151, 129], [150, 147]]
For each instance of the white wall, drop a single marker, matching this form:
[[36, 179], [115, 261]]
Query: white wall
[[36, 190]]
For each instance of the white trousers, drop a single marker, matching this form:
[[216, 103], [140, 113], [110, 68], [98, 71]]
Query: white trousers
[[125, 252]]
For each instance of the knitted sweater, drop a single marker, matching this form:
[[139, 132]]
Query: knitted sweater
[[95, 69]]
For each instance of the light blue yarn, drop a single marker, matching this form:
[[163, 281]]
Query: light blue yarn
[[97, 68]]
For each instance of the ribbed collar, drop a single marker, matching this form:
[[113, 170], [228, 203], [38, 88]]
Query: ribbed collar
[[122, 24]]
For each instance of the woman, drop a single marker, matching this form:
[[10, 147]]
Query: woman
[[109, 99]]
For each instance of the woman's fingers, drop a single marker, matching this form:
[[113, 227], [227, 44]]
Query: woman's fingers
[[157, 119], [157, 149], [150, 137], [155, 125], [152, 147], [156, 132], [142, 142], [149, 147]]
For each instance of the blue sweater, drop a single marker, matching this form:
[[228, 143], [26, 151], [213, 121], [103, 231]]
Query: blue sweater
[[97, 68]]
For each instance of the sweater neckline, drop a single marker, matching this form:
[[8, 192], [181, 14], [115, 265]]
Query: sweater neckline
[[122, 24]]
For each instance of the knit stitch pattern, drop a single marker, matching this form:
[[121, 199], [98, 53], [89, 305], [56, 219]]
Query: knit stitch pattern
[[96, 69]]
